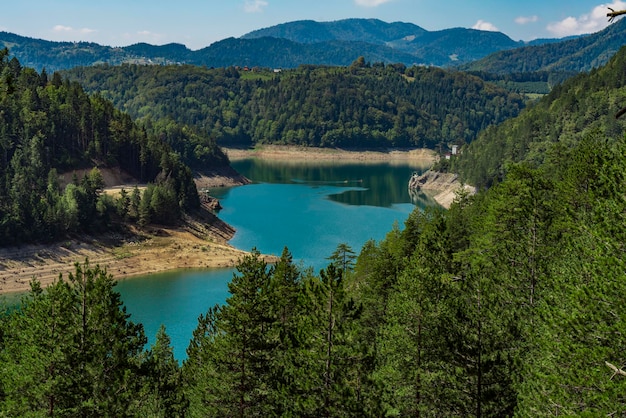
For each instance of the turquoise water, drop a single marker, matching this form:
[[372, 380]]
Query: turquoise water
[[310, 208]]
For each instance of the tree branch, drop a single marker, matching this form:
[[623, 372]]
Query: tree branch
[[616, 371], [613, 14]]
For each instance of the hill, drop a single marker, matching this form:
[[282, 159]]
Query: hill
[[441, 48], [573, 110], [361, 30], [359, 106], [578, 54], [50, 126]]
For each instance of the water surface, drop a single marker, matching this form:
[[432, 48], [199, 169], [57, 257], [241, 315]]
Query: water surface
[[308, 207]]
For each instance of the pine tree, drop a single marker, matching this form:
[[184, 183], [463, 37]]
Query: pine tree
[[162, 392], [71, 350]]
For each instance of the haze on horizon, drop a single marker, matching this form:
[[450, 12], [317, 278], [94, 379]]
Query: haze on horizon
[[199, 23]]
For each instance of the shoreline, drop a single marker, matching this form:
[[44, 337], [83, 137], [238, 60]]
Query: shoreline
[[156, 250], [202, 243], [420, 156]]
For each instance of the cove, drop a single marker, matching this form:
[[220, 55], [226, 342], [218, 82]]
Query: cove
[[309, 207]]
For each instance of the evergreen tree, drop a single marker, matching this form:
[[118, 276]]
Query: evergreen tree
[[70, 350], [162, 392]]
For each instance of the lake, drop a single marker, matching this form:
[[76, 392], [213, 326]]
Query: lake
[[310, 207]]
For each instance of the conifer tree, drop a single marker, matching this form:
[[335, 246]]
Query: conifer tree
[[71, 350]]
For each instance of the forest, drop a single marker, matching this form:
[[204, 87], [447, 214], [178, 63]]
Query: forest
[[510, 303], [507, 304], [49, 126], [573, 109], [359, 106]]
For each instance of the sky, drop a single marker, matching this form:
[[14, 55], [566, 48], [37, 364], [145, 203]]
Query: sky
[[199, 23]]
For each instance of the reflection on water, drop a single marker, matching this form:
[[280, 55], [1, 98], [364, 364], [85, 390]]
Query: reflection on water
[[421, 199], [371, 184]]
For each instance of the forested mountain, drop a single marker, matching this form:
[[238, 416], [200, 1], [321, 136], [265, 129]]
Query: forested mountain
[[283, 46], [579, 54], [372, 31], [444, 47], [49, 126], [583, 104], [356, 106]]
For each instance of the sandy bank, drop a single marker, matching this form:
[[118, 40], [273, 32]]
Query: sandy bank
[[157, 249], [201, 243], [423, 157]]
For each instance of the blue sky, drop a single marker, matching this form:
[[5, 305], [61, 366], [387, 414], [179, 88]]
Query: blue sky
[[198, 23]]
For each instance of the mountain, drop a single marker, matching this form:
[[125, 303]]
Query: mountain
[[439, 48], [578, 54], [362, 30], [283, 46], [339, 43], [53, 56]]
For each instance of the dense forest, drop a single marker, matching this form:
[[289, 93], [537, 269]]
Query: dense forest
[[361, 105], [510, 303], [573, 109], [49, 126]]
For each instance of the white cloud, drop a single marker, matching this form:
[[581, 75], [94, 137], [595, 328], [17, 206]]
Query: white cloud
[[523, 20], [254, 6], [591, 22], [371, 3], [71, 30], [482, 25]]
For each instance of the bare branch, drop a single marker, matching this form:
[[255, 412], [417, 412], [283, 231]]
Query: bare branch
[[613, 14], [616, 371]]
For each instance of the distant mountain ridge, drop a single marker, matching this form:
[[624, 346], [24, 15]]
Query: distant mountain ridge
[[364, 30], [337, 43], [572, 54], [441, 48]]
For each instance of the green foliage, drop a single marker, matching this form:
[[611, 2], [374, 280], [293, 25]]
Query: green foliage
[[52, 126], [70, 350], [578, 107], [507, 304], [357, 106]]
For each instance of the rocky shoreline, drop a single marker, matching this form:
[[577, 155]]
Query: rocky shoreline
[[443, 187]]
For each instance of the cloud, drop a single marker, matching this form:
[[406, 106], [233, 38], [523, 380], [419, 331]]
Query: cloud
[[593, 21], [371, 3], [71, 30], [524, 20], [482, 25], [254, 6]]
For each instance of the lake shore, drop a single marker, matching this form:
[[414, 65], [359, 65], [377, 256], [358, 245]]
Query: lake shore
[[442, 188], [155, 250], [196, 245], [423, 157]]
